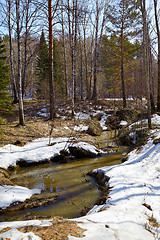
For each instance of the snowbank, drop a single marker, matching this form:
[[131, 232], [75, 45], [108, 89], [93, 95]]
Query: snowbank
[[35, 151], [11, 194], [39, 150], [133, 201]]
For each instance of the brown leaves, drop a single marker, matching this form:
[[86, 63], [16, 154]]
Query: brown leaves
[[60, 230]]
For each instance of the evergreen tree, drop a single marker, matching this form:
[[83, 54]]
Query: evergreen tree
[[5, 107], [110, 61], [124, 19], [42, 68]]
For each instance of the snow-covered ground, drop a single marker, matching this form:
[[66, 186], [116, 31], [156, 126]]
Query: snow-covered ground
[[11, 194], [39, 150], [134, 199]]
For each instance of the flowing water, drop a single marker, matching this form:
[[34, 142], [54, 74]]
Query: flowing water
[[75, 190]]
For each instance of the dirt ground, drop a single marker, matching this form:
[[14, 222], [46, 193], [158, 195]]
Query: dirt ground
[[37, 125]]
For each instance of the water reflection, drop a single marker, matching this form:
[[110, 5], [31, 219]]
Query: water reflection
[[75, 190]]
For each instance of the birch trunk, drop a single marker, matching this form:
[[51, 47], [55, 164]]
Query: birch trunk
[[15, 94], [65, 84], [51, 87], [25, 50], [21, 111], [81, 66], [152, 91], [75, 50], [122, 60], [73, 47], [85, 58], [94, 95], [158, 36], [146, 57]]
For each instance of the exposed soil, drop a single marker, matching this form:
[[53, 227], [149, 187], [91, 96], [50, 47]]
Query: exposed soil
[[37, 126]]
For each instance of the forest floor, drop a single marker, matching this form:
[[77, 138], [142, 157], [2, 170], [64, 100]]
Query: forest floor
[[38, 125]]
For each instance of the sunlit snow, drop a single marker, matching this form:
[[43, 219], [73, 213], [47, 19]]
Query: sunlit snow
[[134, 193]]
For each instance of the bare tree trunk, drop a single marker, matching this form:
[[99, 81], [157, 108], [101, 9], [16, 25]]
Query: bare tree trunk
[[158, 35], [81, 75], [21, 111], [122, 59], [152, 81], [73, 47], [85, 58], [152, 92], [94, 95], [81, 66], [71, 51], [25, 49], [91, 67], [146, 57], [51, 87], [65, 84], [15, 94], [69, 26], [97, 46]]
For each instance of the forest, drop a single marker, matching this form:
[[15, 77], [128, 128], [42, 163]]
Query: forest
[[79, 119], [79, 50]]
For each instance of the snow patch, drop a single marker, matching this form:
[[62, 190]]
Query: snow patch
[[11, 194]]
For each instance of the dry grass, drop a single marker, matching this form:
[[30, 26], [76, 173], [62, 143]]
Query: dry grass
[[37, 126], [60, 230], [153, 226], [11, 132], [153, 222]]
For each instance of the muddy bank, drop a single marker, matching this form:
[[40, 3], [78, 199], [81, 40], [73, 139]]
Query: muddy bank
[[37, 200], [4, 177], [103, 184]]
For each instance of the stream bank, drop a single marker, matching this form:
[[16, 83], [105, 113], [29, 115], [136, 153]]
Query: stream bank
[[66, 189], [47, 169]]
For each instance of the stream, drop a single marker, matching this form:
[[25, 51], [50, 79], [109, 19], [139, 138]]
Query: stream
[[75, 190]]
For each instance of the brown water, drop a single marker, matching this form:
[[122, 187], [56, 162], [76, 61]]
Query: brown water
[[75, 190]]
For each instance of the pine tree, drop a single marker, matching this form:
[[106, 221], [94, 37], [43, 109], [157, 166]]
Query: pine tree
[[110, 60], [124, 19], [42, 68], [5, 107]]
